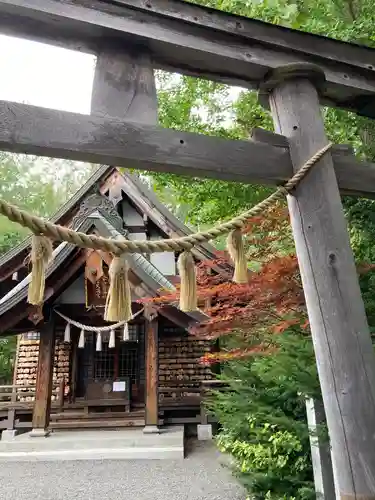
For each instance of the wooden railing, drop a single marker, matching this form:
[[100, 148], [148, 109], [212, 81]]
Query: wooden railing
[[206, 387], [22, 397], [183, 397]]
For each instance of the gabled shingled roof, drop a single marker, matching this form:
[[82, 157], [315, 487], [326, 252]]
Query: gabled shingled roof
[[138, 193], [145, 270]]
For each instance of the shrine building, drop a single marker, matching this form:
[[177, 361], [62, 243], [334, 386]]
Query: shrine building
[[72, 370]]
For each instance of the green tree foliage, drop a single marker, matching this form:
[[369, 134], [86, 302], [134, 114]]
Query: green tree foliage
[[40, 185], [196, 105], [7, 354], [263, 418]]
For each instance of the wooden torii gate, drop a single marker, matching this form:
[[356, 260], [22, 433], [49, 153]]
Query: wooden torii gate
[[296, 72]]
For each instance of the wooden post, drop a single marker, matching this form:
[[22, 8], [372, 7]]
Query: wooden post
[[342, 343], [116, 359], [74, 366], [12, 411], [320, 451], [152, 379], [43, 392], [203, 412], [124, 87]]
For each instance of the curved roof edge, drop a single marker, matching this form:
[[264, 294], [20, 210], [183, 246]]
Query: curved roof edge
[[138, 192], [102, 172]]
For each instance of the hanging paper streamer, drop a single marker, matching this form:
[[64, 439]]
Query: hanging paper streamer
[[41, 254], [81, 342], [67, 333], [112, 339], [118, 304], [188, 287], [237, 252], [125, 333], [99, 341]]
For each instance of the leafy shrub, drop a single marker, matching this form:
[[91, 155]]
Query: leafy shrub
[[263, 419]]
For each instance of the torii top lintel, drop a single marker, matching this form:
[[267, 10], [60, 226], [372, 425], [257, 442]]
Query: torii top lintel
[[198, 41]]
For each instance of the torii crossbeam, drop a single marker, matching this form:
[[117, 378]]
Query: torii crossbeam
[[131, 38]]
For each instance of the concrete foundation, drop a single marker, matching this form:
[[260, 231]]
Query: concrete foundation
[[204, 432], [151, 429], [9, 435], [129, 444], [39, 433]]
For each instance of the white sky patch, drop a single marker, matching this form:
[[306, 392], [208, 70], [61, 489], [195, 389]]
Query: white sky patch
[[51, 77], [45, 75], [57, 78]]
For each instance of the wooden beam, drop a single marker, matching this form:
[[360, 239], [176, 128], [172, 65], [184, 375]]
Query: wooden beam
[[34, 130], [124, 87], [43, 392], [197, 41], [343, 348], [152, 381]]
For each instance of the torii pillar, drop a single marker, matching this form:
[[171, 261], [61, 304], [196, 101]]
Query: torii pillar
[[342, 343]]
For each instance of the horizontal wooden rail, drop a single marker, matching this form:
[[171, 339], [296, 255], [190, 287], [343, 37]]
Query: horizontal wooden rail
[[12, 399], [11, 392], [34, 130], [179, 389]]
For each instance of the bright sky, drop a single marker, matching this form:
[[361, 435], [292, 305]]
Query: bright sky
[[48, 76], [45, 75]]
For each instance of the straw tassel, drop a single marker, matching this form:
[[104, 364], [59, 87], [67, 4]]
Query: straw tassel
[[67, 333], [118, 304], [112, 340], [125, 333], [99, 341], [237, 252], [41, 254], [81, 342], [188, 287]]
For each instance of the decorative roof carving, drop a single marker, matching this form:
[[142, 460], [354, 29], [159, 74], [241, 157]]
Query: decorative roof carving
[[98, 203]]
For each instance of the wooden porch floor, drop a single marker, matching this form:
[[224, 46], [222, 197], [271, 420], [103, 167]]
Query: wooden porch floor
[[80, 418]]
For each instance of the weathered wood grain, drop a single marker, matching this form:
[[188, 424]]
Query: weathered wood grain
[[192, 40], [320, 450], [74, 366], [255, 30], [35, 130], [43, 391], [342, 342], [124, 87], [151, 340]]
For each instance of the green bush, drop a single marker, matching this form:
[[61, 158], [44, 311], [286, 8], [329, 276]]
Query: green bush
[[263, 419], [7, 353]]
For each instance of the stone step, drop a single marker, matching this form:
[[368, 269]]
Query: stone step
[[90, 444], [97, 424], [78, 415]]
